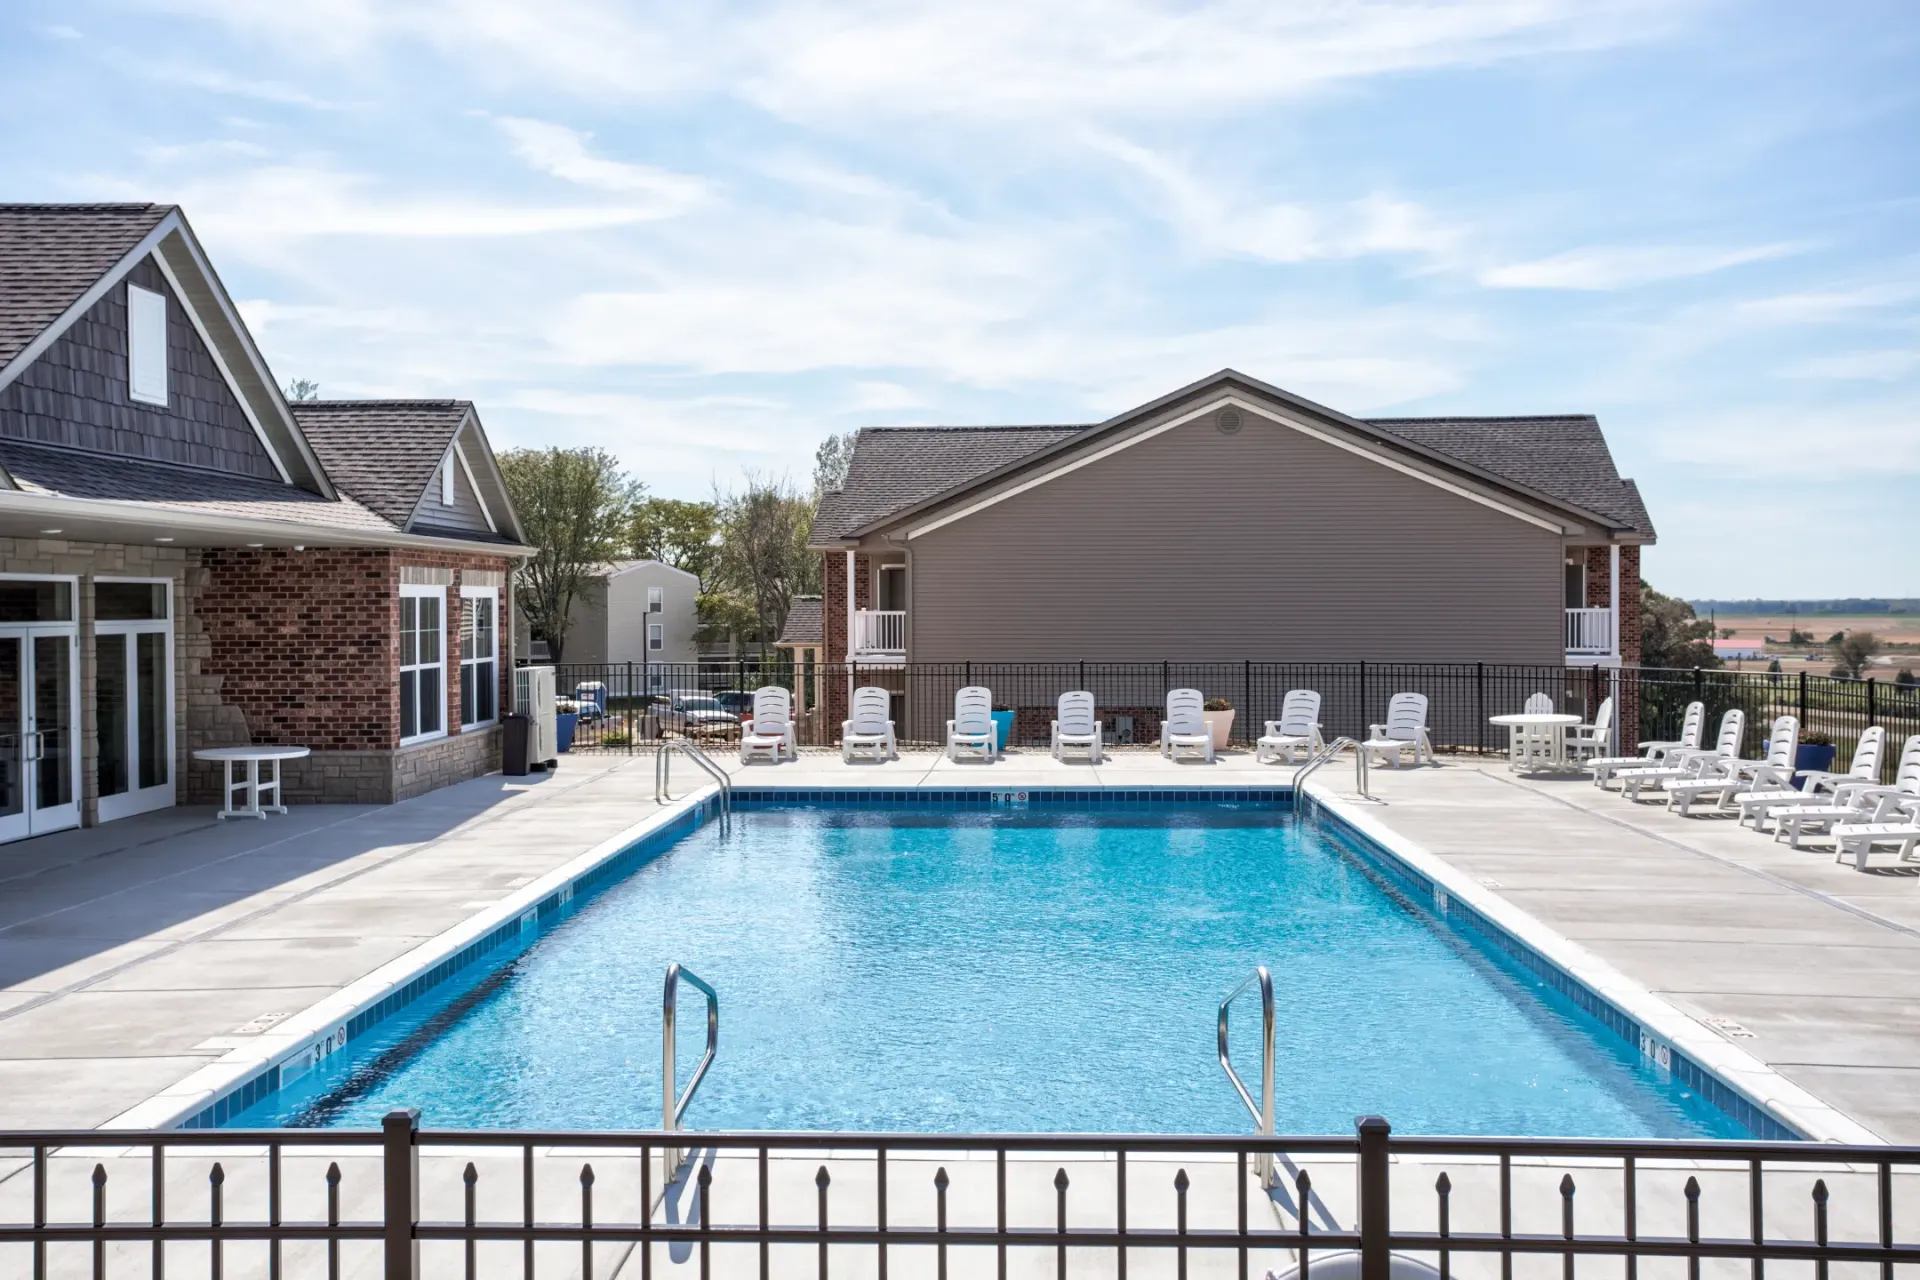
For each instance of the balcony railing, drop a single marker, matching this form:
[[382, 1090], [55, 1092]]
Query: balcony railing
[[1590, 631], [880, 631]]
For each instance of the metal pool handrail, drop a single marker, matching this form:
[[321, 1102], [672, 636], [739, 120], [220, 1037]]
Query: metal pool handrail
[[1327, 753], [1263, 1112], [673, 1108], [663, 772]]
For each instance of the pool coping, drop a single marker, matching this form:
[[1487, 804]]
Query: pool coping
[[1667, 1036]]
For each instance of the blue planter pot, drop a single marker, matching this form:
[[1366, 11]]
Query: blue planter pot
[[1002, 729], [564, 723], [1811, 759]]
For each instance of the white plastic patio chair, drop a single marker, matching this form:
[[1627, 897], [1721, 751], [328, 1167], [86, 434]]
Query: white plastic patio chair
[[1076, 726], [769, 735], [1185, 727], [1651, 753], [1405, 730], [869, 726], [1587, 741], [1297, 729], [971, 729], [1852, 801], [1530, 745], [1895, 824], [1817, 786], [1720, 783], [1683, 762]]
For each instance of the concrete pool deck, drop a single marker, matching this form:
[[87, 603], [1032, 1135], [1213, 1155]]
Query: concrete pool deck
[[136, 954]]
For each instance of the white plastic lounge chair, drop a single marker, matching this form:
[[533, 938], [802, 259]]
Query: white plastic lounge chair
[[869, 726], [1589, 740], [1895, 824], [1185, 727], [1720, 783], [1538, 704], [1405, 730], [1681, 762], [1076, 726], [770, 733], [1652, 753], [1297, 729], [1817, 786], [971, 728], [1852, 802]]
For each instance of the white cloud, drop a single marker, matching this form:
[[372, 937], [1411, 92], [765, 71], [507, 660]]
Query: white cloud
[[1815, 442], [1857, 366], [1624, 267], [1820, 306], [562, 152], [59, 31]]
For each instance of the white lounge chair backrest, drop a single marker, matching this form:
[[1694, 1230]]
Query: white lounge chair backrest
[[1603, 718], [872, 708], [1783, 741], [1184, 708], [772, 709], [1299, 713], [1867, 753], [973, 710], [1538, 705], [1733, 727], [1908, 777], [1407, 716], [1693, 724], [1075, 713]]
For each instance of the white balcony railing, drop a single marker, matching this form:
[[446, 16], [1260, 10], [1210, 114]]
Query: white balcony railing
[[1590, 632], [880, 631]]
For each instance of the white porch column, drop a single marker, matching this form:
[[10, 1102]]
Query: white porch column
[[850, 604], [1613, 598]]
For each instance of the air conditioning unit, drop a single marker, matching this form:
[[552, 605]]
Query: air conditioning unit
[[533, 698]]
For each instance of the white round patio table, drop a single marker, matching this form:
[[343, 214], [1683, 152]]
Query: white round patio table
[[1524, 726], [252, 757]]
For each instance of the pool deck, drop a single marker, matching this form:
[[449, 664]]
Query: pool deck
[[136, 954]]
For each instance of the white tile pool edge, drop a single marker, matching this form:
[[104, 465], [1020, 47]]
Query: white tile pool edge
[[320, 1029], [1739, 1070]]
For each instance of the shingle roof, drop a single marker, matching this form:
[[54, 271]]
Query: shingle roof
[[895, 467], [805, 625], [71, 474], [383, 452], [50, 254]]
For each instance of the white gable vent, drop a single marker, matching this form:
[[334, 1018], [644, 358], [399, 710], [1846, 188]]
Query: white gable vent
[[1228, 422], [146, 345]]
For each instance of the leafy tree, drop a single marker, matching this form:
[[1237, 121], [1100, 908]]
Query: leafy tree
[[575, 505], [725, 613], [303, 389], [1906, 677], [1672, 635], [830, 463], [1797, 636], [1853, 651], [1837, 638], [1728, 633], [678, 533], [762, 554]]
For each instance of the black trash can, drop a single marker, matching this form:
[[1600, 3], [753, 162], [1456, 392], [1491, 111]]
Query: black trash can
[[516, 733]]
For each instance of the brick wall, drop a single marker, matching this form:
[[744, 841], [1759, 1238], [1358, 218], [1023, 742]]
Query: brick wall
[[833, 629], [1599, 588]]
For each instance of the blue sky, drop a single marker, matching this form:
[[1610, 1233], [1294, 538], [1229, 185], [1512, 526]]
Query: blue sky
[[705, 237]]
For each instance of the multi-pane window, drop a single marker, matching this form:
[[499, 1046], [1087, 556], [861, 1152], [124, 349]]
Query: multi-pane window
[[479, 655], [656, 599], [423, 662], [655, 637]]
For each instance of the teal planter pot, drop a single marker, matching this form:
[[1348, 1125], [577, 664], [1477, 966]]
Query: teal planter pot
[[564, 723], [1002, 729]]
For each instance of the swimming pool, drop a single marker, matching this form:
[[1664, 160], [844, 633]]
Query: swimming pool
[[912, 967]]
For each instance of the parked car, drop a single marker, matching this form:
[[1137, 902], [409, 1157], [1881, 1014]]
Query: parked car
[[694, 714], [738, 701]]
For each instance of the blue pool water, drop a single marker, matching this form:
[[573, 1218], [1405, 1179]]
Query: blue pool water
[[916, 969]]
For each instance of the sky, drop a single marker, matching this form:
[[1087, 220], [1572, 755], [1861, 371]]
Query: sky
[[704, 237]]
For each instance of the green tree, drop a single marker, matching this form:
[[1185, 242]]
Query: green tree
[[1796, 636], [762, 554], [575, 505], [1672, 635], [830, 463], [1853, 651], [303, 389], [676, 532], [1906, 677]]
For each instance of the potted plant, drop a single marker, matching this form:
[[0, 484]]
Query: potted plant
[[1817, 753], [1002, 727], [566, 718], [1219, 716]]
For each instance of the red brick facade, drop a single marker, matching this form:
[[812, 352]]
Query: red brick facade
[[833, 620], [1599, 575]]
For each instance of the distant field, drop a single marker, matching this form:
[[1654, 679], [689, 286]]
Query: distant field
[[1893, 629]]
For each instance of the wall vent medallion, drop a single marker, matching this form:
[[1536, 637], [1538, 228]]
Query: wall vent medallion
[[1228, 422]]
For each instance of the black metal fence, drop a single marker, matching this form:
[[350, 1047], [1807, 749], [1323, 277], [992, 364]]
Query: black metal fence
[[626, 705], [410, 1203]]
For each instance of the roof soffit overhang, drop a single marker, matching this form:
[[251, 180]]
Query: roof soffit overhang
[[475, 452], [1198, 400]]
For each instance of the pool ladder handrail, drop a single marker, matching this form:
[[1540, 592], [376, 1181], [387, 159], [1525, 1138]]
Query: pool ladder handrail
[[673, 1109], [1262, 1112], [663, 773], [1328, 752]]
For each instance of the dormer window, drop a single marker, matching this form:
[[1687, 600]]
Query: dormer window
[[146, 345], [446, 481]]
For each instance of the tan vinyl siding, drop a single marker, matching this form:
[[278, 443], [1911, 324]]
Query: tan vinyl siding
[[1265, 545]]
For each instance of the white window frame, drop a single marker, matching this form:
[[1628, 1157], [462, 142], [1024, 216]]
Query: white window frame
[[479, 593], [656, 599], [656, 637], [146, 354], [429, 592], [446, 481], [137, 799]]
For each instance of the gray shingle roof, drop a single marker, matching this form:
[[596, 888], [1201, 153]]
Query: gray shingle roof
[[805, 625], [50, 254], [383, 452], [895, 467]]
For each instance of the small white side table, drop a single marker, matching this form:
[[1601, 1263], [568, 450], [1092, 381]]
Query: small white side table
[[252, 757], [1552, 726]]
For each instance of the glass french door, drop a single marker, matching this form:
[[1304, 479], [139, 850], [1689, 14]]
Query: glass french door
[[133, 699], [39, 737]]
